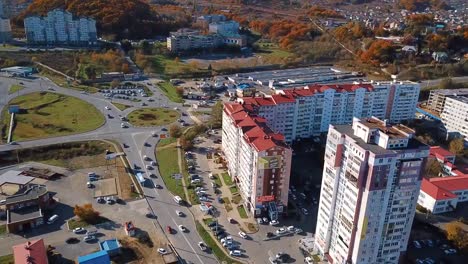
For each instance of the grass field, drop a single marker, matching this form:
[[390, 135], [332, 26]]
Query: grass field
[[242, 212], [217, 180], [62, 82], [211, 243], [7, 259], [170, 91], [2, 229], [15, 88], [227, 179], [166, 154], [74, 223], [120, 106], [233, 189], [272, 51], [152, 117], [50, 114]]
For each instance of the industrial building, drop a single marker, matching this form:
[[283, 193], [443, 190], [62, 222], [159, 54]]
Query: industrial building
[[371, 180]]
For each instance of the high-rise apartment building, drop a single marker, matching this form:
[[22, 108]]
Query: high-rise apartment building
[[371, 180], [60, 28], [436, 101], [5, 30], [455, 115], [308, 111], [257, 159]]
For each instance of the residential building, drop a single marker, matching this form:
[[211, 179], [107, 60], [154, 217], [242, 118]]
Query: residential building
[[371, 179], [205, 20], [5, 30], [455, 116], [224, 27], [59, 27], [445, 158], [184, 40], [436, 101], [308, 111], [30, 252], [258, 160]]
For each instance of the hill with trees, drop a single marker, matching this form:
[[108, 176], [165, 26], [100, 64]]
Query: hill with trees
[[119, 19]]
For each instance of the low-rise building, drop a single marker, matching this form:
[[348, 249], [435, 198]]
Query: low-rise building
[[224, 27], [30, 252], [258, 160], [443, 194], [111, 246], [205, 20], [100, 257], [184, 40]]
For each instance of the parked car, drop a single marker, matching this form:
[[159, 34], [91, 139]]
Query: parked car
[[169, 229], [270, 234], [162, 251], [235, 253], [305, 211], [242, 234], [179, 213], [259, 220], [214, 223], [281, 231], [79, 230], [182, 228], [416, 244], [274, 222], [202, 246], [450, 251], [89, 238]]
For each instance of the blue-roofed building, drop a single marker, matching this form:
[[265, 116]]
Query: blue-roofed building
[[100, 257], [111, 246]]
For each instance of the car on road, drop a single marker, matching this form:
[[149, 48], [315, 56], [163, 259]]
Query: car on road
[[109, 116], [148, 167], [147, 144], [274, 222], [308, 260], [107, 107], [182, 228], [179, 213], [123, 125], [158, 186], [450, 251], [416, 244], [281, 231], [89, 238], [154, 134], [21, 83], [13, 143], [305, 211], [124, 145], [79, 230], [169, 229], [162, 251], [235, 253], [202, 246], [242, 234]]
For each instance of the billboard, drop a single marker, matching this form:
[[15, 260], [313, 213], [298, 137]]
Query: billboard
[[265, 198], [269, 162]]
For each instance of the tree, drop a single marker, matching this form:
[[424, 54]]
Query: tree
[[146, 47], [125, 45], [185, 143], [216, 118], [115, 83], [180, 91], [379, 51], [175, 131], [457, 235], [457, 146], [86, 213], [433, 168]]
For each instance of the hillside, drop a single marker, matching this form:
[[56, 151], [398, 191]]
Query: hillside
[[119, 19]]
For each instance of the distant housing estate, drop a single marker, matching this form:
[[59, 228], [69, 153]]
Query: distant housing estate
[[5, 30], [60, 28]]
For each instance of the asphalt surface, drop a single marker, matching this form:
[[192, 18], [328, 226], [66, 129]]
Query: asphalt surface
[[160, 200]]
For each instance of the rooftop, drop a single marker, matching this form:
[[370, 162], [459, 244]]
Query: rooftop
[[463, 99], [25, 213], [29, 193], [393, 131], [14, 177], [110, 244], [451, 183], [447, 92], [100, 257], [30, 252], [435, 191], [440, 153]]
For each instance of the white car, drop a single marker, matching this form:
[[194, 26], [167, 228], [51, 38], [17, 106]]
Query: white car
[[107, 107], [79, 230], [202, 246], [291, 228], [235, 253], [88, 238], [308, 260], [274, 222], [179, 213], [182, 228], [280, 231], [162, 251], [228, 238], [242, 234]]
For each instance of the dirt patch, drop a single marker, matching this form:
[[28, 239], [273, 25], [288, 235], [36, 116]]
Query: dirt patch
[[138, 252], [106, 187], [147, 117]]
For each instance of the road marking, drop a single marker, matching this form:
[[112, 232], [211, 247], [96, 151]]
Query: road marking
[[186, 240]]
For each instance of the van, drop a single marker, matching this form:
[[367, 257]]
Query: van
[[177, 199], [52, 219]]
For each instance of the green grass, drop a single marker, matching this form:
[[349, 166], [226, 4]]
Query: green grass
[[166, 154], [227, 179], [271, 52], [233, 189], [152, 117], [3, 229], [242, 212], [15, 88], [7, 259], [207, 221], [50, 115], [120, 106], [62, 82], [210, 242], [75, 223], [170, 91], [217, 180], [236, 198]]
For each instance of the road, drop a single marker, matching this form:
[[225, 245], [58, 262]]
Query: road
[[160, 200]]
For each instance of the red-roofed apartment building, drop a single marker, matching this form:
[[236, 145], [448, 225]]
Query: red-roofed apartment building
[[308, 111], [258, 160], [30, 252]]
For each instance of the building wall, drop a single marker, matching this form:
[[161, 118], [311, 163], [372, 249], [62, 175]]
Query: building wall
[[5, 30], [455, 115], [436, 207]]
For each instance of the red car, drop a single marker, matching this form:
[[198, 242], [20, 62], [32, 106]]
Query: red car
[[169, 229]]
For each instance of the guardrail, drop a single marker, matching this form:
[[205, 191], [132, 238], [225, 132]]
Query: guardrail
[[10, 129]]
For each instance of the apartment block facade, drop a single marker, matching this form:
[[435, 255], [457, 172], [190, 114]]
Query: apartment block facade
[[436, 101], [5, 30], [59, 27], [192, 40], [308, 111], [455, 115], [224, 28], [258, 160], [371, 181]]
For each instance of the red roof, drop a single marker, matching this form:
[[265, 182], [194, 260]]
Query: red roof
[[441, 153], [435, 191], [30, 252], [451, 183]]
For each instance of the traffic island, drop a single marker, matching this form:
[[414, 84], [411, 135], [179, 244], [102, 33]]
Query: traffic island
[[147, 117]]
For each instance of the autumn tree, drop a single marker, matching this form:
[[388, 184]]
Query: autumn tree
[[86, 213], [115, 83], [216, 118], [175, 131], [180, 91], [457, 235], [379, 51], [433, 168], [437, 42], [457, 146], [185, 143]]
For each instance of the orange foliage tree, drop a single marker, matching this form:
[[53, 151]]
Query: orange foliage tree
[[86, 213], [379, 51]]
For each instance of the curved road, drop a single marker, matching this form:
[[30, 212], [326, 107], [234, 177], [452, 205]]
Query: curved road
[[159, 200]]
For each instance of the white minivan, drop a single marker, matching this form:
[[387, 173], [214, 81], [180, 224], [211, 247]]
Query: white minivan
[[52, 219], [177, 199]]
